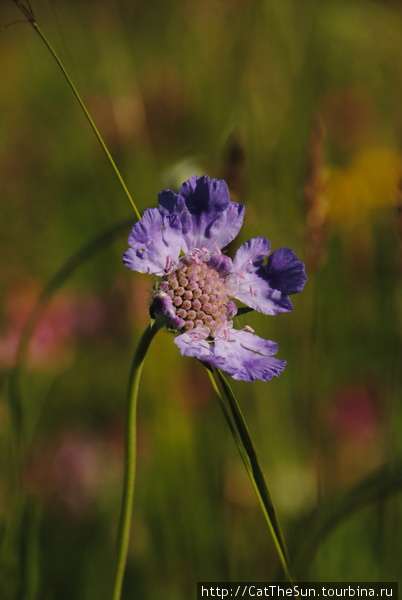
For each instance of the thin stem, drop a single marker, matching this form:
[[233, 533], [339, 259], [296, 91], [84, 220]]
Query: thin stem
[[123, 535], [86, 252], [239, 430], [70, 82]]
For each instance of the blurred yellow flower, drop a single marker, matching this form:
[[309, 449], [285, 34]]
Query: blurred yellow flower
[[368, 183]]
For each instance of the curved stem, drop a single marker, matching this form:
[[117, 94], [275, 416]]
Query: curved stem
[[86, 113], [53, 285], [241, 435], [123, 535]]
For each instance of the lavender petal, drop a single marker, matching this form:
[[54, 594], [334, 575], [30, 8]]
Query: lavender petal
[[285, 271], [154, 244], [190, 346], [247, 357], [162, 306], [215, 220], [265, 287]]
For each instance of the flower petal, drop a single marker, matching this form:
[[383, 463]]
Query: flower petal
[[248, 357], [154, 244], [245, 284], [265, 287], [174, 208], [215, 220], [162, 306], [251, 254], [189, 345], [221, 263], [285, 271], [242, 355]]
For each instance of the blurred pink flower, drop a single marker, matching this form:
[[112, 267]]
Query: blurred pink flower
[[67, 318], [355, 423], [355, 412], [75, 471]]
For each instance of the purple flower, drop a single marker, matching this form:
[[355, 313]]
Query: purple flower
[[181, 242]]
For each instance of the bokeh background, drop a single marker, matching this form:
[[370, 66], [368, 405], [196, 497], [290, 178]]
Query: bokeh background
[[298, 106]]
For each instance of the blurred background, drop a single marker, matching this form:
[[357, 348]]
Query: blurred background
[[298, 106]]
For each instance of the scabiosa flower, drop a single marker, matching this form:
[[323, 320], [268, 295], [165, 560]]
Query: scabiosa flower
[[181, 243]]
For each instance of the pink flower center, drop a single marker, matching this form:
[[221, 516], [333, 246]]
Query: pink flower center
[[198, 294]]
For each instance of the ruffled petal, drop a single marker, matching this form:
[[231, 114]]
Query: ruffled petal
[[205, 195], [215, 220], [251, 255], [285, 271], [242, 355], [173, 207], [154, 244], [171, 202], [191, 345], [245, 284], [265, 287], [247, 357]]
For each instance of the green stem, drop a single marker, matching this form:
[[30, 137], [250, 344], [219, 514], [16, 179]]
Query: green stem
[[86, 252], [241, 435], [29, 551], [123, 536], [87, 114]]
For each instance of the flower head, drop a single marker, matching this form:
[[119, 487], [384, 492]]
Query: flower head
[[181, 243]]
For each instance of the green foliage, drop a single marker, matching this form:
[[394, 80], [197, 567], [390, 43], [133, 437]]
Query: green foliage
[[232, 90]]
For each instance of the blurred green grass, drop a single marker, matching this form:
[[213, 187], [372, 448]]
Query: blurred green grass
[[233, 89]]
